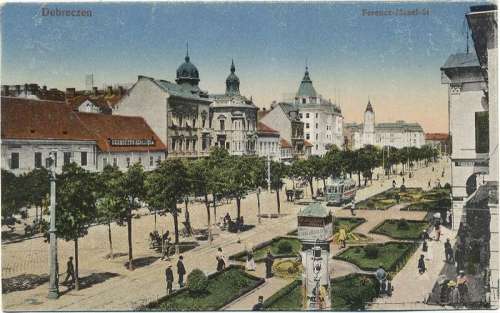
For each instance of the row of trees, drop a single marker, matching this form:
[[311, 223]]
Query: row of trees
[[85, 198]]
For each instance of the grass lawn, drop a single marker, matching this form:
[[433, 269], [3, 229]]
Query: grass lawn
[[351, 292], [417, 197], [392, 255], [223, 288], [401, 229], [433, 200], [261, 251]]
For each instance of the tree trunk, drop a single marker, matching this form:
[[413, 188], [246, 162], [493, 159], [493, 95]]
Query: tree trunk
[[111, 256], [36, 213], [176, 225], [155, 219], [129, 233], [215, 207], [77, 283], [278, 200], [359, 179], [324, 183], [311, 187], [238, 206], [209, 229]]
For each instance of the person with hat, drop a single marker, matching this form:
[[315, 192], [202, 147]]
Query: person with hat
[[181, 271], [421, 265], [70, 271], [221, 260], [448, 250], [260, 305], [169, 277], [462, 286]]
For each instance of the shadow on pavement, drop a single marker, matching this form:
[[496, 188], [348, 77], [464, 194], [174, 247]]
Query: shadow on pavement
[[141, 262], [23, 282]]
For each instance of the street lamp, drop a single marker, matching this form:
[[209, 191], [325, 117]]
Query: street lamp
[[258, 203], [53, 266], [316, 270]]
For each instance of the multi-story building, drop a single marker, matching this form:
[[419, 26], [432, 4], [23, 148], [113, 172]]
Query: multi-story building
[[233, 119], [398, 134], [473, 122], [31, 129], [440, 141], [178, 112], [322, 119], [268, 142]]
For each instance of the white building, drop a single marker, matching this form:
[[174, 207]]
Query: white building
[[323, 120], [31, 129], [177, 112], [233, 119], [398, 134], [268, 142]]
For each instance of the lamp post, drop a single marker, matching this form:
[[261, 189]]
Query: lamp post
[[53, 265], [316, 270], [258, 203], [268, 173]]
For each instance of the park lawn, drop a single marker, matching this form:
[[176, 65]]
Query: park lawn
[[393, 229], [351, 292], [261, 251], [392, 256], [432, 200], [223, 287], [349, 223]]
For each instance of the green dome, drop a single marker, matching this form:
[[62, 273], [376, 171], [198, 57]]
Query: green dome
[[187, 73], [232, 82]]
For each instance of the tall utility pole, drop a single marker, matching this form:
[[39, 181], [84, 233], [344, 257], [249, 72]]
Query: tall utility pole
[[53, 266], [268, 173]]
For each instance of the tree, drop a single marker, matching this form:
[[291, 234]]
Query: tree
[[131, 186], [13, 198], [37, 185], [278, 172], [200, 182], [75, 206], [306, 170], [332, 162], [110, 200], [239, 179], [167, 185], [216, 168]]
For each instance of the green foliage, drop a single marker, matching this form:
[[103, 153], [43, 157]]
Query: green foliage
[[197, 282], [12, 197], [111, 201], [285, 247], [371, 251], [403, 224], [37, 186]]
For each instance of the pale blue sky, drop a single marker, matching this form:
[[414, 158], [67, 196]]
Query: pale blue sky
[[394, 60]]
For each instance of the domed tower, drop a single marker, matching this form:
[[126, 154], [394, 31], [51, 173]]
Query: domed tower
[[232, 82], [187, 73], [306, 92], [369, 125]]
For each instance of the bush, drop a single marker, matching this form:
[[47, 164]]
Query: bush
[[197, 282], [371, 252], [403, 224], [285, 247], [447, 186], [402, 188]]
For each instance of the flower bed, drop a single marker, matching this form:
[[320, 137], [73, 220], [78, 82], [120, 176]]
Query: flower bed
[[260, 251], [401, 229], [392, 255], [223, 288], [387, 199], [351, 292]]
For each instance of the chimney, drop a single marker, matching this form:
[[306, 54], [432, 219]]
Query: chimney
[[110, 90], [94, 91], [70, 92], [18, 90]]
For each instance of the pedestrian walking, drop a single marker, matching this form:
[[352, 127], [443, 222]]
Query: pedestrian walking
[[393, 184], [429, 184], [169, 277], [269, 264], [221, 260], [250, 265], [403, 180], [353, 207], [260, 305], [70, 272], [181, 271], [421, 265], [448, 250], [463, 289], [437, 228]]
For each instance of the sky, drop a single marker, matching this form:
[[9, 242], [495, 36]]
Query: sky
[[392, 60]]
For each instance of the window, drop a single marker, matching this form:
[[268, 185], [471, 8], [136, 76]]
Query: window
[[67, 158], [194, 144], [83, 158], [307, 125], [105, 162], [307, 115], [194, 122], [300, 115], [140, 160], [482, 132], [316, 147], [173, 144], [203, 122], [307, 136], [222, 126], [158, 160], [316, 115], [38, 159], [187, 145], [303, 100], [115, 162], [128, 162], [316, 136], [316, 125], [14, 160], [151, 161], [227, 145]]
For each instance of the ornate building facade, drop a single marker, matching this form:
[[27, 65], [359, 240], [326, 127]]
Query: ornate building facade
[[233, 118]]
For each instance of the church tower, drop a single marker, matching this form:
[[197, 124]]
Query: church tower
[[369, 125]]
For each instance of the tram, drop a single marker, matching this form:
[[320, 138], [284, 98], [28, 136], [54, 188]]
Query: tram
[[341, 190]]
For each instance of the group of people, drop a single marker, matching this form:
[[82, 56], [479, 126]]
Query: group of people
[[456, 291], [169, 274]]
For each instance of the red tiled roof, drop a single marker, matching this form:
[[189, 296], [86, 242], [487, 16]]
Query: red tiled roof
[[307, 143], [261, 114], [105, 102], [24, 118], [107, 127], [436, 136], [34, 119], [264, 129], [285, 144]]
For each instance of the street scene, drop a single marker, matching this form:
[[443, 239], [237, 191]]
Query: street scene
[[211, 157]]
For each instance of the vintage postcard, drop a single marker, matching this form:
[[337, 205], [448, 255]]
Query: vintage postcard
[[249, 156]]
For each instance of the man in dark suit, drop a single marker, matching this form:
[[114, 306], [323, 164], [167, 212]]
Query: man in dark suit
[[181, 271], [169, 277]]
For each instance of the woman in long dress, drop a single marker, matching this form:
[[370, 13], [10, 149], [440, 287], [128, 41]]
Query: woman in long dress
[[250, 265]]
